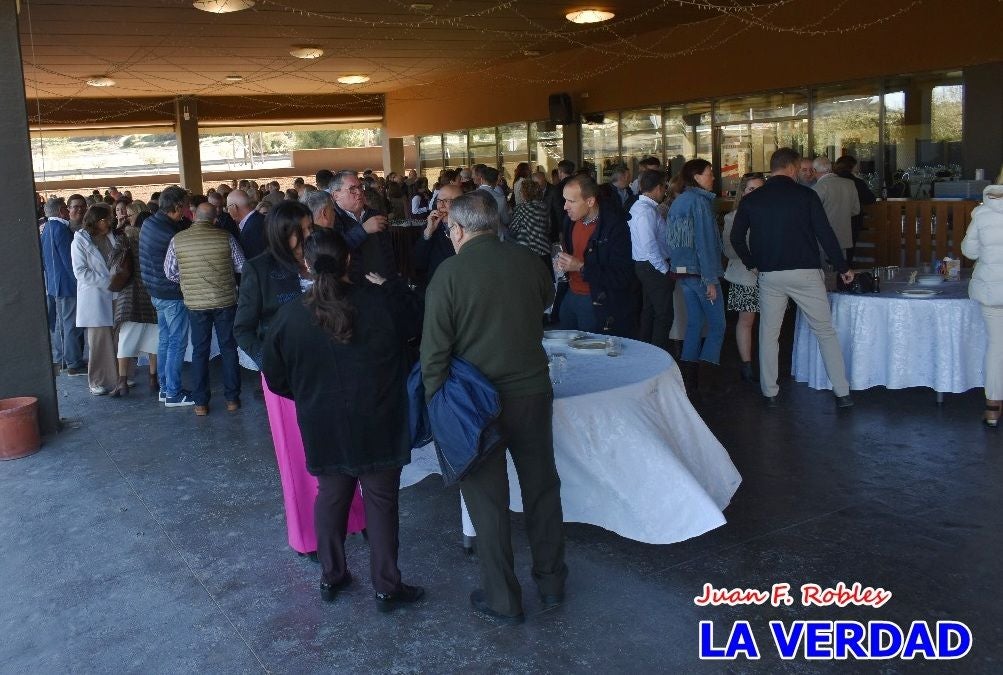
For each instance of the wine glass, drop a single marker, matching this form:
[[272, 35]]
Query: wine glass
[[556, 251]]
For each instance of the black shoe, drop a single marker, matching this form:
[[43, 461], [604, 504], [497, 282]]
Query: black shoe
[[481, 605], [328, 592], [746, 372], [387, 602], [772, 401], [552, 599], [844, 401], [468, 544]]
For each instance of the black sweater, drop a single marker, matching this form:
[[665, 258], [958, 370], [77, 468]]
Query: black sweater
[[786, 224], [351, 399]]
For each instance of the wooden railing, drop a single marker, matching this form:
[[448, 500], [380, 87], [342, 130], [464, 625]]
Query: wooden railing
[[911, 233]]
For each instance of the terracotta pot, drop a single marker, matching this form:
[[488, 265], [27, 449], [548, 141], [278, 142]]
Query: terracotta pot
[[19, 427]]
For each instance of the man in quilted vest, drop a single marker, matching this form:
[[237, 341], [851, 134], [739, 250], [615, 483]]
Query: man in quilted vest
[[205, 260]]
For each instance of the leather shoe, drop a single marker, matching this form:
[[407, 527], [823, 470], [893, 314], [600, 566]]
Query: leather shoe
[[233, 406], [201, 410], [551, 599], [481, 605], [844, 401], [772, 401], [387, 602], [328, 592]]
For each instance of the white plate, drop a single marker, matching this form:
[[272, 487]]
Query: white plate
[[561, 335], [588, 345], [929, 280], [919, 293]]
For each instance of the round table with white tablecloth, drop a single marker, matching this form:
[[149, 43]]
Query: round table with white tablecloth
[[895, 341], [633, 454]]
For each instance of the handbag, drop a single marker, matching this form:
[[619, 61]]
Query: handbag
[[863, 282], [121, 267]]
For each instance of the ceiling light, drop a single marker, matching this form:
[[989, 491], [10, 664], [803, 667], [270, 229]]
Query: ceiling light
[[421, 6], [530, 52], [101, 81], [234, 78], [353, 79], [307, 52], [223, 6], [589, 16]]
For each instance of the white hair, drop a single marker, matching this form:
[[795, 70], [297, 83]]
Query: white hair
[[822, 165]]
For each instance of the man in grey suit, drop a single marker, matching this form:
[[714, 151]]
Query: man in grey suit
[[839, 199]]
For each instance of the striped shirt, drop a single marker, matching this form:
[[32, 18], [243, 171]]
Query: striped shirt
[[530, 226]]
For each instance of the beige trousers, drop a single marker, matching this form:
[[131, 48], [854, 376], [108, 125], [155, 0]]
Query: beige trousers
[[994, 352], [102, 366], [807, 289]]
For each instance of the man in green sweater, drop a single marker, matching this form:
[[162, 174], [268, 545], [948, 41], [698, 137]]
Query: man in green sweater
[[484, 305]]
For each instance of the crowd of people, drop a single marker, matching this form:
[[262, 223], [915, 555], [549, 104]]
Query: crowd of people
[[305, 282]]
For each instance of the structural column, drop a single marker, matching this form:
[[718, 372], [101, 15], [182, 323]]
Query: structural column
[[25, 352], [572, 141], [982, 130], [186, 127], [393, 155]]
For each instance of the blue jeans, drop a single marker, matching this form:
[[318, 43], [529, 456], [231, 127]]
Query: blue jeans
[[577, 313], [203, 322], [67, 339], [172, 320], [698, 310]]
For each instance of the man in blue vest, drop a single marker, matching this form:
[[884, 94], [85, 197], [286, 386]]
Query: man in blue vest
[[172, 315]]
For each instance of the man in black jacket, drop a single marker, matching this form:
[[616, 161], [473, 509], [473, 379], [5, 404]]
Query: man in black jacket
[[555, 202], [786, 224], [598, 262], [363, 229], [250, 223], [434, 246]]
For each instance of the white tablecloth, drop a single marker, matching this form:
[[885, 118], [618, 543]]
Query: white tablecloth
[[633, 455], [896, 342]]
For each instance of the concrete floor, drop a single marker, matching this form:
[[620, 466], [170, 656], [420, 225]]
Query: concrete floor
[[147, 540]]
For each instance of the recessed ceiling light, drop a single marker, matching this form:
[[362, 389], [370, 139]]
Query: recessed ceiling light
[[234, 78], [530, 52], [223, 6], [307, 52], [353, 79], [101, 81], [421, 6], [589, 16]]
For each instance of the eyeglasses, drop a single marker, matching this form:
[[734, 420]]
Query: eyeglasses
[[443, 201], [354, 189]]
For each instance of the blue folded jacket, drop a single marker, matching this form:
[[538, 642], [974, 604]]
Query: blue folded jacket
[[461, 418]]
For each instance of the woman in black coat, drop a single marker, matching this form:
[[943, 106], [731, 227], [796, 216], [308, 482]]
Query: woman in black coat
[[340, 354], [268, 282]]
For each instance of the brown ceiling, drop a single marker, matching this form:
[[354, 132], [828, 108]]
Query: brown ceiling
[[158, 47]]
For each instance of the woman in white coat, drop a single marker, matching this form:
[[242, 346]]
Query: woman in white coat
[[91, 249], [984, 244]]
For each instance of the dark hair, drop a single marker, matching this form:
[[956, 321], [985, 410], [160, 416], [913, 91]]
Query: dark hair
[[197, 200], [172, 199], [96, 212], [845, 163], [449, 175], [281, 223], [566, 166], [650, 179], [324, 178], [326, 252], [531, 190], [490, 175], [650, 161], [75, 195], [155, 196], [521, 171], [783, 158], [686, 178]]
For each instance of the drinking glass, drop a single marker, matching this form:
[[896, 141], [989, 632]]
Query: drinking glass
[[555, 251], [614, 346], [558, 365]]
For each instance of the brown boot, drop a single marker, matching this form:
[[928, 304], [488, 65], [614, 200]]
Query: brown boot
[[122, 388], [991, 417]]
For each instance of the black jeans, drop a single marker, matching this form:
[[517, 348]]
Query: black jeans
[[657, 310], [380, 491], [527, 422], [202, 323]]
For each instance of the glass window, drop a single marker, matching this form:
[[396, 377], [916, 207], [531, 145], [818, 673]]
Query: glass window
[[454, 147], [778, 105], [483, 146], [546, 146], [513, 147], [847, 121], [687, 134], [430, 156], [601, 145], [641, 136], [922, 134]]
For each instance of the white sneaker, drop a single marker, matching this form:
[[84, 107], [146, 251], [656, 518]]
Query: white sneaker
[[98, 391], [161, 396]]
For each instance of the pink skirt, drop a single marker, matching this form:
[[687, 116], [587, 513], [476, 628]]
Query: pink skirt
[[299, 488]]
